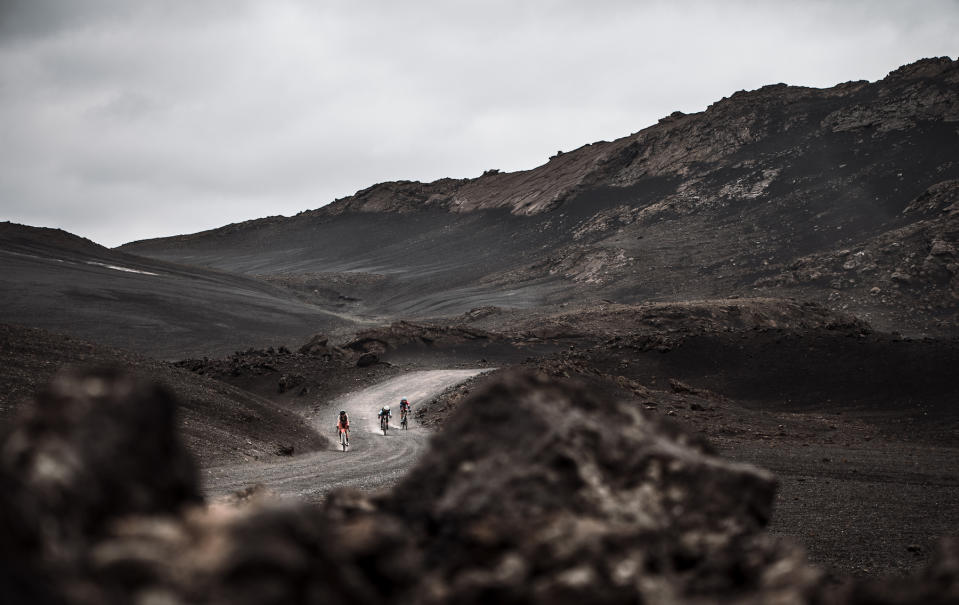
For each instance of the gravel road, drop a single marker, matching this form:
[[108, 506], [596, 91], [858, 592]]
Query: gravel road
[[374, 461]]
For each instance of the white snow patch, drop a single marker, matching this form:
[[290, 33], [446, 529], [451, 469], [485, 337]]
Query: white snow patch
[[119, 268]]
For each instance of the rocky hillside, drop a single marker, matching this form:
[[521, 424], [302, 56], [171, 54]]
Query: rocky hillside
[[841, 195]]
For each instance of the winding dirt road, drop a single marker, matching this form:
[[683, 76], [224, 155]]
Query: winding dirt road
[[374, 460]]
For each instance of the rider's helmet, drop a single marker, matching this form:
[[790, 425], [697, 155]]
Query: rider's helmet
[[387, 408], [404, 400], [342, 412]]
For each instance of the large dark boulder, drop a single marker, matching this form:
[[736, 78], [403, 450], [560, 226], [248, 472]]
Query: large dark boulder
[[94, 447], [539, 491], [367, 359]]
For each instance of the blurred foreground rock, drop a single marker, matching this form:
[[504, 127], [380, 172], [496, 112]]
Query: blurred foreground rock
[[95, 447], [535, 491]]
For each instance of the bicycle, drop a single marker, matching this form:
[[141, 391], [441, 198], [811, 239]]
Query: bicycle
[[344, 439], [384, 423], [404, 420]]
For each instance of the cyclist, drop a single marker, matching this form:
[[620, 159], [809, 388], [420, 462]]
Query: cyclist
[[385, 414], [404, 408], [343, 425]]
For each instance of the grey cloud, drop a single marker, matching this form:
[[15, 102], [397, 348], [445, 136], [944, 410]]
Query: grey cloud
[[25, 19], [125, 106], [137, 119]]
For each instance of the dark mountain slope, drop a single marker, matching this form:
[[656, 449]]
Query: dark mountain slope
[[718, 203], [55, 280]]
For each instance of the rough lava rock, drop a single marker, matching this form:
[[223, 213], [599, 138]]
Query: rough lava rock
[[95, 447], [537, 491]]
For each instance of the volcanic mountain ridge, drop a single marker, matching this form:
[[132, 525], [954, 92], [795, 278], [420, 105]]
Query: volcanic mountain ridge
[[844, 196]]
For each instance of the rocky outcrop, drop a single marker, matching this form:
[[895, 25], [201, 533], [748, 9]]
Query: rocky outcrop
[[404, 333], [539, 492], [691, 146], [924, 90], [399, 196], [319, 346], [913, 264], [655, 322]]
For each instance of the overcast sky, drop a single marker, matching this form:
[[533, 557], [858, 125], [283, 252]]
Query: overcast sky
[[126, 119]]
